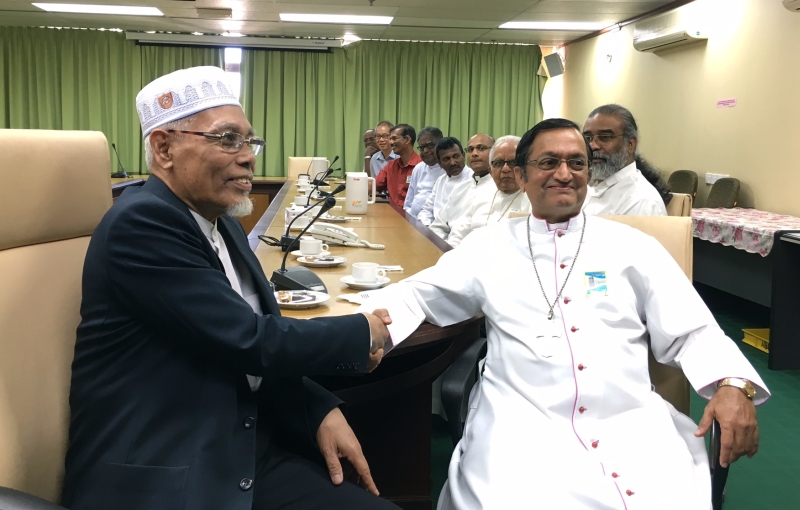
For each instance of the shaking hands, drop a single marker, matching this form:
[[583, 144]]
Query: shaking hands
[[378, 320]]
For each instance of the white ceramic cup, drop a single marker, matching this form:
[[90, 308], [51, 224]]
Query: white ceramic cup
[[311, 246], [303, 179], [367, 272], [300, 201]]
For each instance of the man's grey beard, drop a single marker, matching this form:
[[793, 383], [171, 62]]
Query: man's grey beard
[[613, 163], [242, 208]]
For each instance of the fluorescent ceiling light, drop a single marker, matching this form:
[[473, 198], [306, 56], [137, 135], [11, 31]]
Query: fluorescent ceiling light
[[585, 26], [125, 10], [341, 19]]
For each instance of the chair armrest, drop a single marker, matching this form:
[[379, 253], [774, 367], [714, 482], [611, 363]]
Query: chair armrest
[[11, 499], [454, 385], [719, 474]]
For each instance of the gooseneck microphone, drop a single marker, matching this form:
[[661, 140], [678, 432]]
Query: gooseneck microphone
[[338, 190], [317, 184], [326, 173], [286, 238], [301, 278], [122, 173]]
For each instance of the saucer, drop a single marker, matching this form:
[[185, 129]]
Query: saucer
[[321, 263], [298, 253], [301, 298], [380, 282], [333, 219]]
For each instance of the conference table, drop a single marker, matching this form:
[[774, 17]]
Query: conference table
[[389, 409]]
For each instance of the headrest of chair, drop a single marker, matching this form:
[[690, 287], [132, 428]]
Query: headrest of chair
[[54, 185], [673, 232]]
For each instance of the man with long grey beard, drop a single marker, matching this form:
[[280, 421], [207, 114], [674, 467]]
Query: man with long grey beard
[[622, 182]]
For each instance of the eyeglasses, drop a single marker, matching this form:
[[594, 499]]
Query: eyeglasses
[[498, 164], [423, 146], [382, 137], [600, 138], [230, 142], [481, 148], [548, 163]]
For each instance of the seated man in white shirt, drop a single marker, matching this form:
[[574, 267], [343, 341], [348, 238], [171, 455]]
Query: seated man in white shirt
[[622, 182], [563, 415], [425, 173], [451, 158], [491, 206], [461, 199]]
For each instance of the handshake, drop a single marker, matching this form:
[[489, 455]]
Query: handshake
[[378, 320]]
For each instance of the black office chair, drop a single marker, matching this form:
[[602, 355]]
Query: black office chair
[[724, 193], [683, 181], [456, 387]]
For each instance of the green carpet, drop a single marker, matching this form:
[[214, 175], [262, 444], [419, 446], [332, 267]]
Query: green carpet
[[764, 482]]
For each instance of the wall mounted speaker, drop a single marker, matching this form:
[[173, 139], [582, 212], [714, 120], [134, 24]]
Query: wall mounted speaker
[[553, 65]]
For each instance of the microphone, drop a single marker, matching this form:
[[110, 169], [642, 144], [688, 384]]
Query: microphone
[[317, 184], [122, 173], [299, 277], [286, 238], [338, 189], [327, 172]]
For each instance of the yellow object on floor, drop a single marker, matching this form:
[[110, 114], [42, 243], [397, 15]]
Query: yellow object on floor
[[758, 338]]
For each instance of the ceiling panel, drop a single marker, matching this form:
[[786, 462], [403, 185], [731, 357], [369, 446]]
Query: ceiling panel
[[437, 20], [432, 34]]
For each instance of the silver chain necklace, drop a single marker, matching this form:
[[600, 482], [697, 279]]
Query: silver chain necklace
[[533, 261]]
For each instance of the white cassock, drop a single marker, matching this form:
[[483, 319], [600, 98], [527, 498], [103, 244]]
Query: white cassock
[[442, 189], [563, 415], [625, 192], [423, 177], [490, 207], [461, 200]]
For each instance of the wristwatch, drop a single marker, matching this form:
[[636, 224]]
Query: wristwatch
[[743, 384]]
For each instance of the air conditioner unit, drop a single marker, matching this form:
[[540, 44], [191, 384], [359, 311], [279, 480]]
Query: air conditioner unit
[[667, 30], [792, 5], [316, 45]]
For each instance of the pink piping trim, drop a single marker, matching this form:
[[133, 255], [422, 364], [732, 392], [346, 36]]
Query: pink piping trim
[[619, 491], [572, 357]]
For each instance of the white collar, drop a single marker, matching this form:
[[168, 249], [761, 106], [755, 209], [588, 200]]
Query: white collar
[[209, 229], [465, 173], [540, 226]]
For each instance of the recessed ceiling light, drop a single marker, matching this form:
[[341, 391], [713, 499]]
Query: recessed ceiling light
[[585, 26], [125, 10], [342, 19]]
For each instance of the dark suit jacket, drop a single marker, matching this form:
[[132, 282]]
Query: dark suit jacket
[[163, 417]]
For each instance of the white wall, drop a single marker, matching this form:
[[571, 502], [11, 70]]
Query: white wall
[[752, 54]]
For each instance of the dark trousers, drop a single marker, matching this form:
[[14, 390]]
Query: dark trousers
[[285, 481]]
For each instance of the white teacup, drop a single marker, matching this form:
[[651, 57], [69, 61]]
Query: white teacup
[[311, 246], [367, 272], [301, 201], [303, 179]]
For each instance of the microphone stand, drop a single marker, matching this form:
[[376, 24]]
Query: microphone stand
[[301, 278], [328, 172], [338, 190], [286, 238], [122, 173]]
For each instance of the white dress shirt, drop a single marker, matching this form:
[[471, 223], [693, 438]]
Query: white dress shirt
[[563, 414], [490, 206], [625, 192], [442, 189], [237, 273], [423, 177], [459, 204]]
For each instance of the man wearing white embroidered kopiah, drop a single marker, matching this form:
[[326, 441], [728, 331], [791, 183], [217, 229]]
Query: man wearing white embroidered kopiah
[[493, 205], [563, 415]]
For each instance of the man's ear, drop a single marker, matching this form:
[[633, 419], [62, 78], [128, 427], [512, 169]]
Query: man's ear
[[632, 143], [160, 142], [518, 178]]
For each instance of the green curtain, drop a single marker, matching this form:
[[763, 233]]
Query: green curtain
[[319, 104], [85, 80]]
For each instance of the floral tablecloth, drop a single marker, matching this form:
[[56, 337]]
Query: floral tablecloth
[[750, 230]]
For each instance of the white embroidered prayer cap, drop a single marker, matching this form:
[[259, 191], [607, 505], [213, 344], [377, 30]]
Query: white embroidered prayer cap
[[182, 93]]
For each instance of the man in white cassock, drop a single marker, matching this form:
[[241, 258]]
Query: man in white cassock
[[493, 205], [563, 414], [450, 155], [463, 195]]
